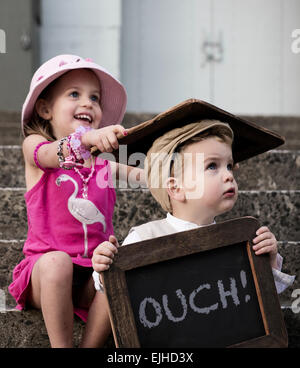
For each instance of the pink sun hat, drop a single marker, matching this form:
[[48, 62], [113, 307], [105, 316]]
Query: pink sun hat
[[113, 95]]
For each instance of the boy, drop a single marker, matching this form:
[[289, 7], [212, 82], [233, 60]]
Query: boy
[[193, 192]]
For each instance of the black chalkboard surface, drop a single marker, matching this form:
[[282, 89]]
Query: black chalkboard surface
[[200, 292], [198, 288]]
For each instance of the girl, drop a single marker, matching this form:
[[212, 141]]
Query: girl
[[72, 105]]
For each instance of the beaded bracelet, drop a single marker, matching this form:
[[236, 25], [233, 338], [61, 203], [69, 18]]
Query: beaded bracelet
[[62, 161], [70, 161], [77, 152], [76, 145]]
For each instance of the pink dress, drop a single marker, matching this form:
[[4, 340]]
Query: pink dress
[[59, 219]]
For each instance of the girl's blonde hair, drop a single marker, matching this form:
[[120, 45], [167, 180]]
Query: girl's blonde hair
[[37, 124]]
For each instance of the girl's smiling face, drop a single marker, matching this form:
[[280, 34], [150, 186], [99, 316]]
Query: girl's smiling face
[[74, 100]]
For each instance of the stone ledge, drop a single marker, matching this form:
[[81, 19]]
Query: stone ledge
[[26, 329], [277, 209], [273, 170], [292, 322], [285, 125], [11, 254]]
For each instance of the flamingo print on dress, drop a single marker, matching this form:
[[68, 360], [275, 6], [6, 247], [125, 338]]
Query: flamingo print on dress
[[82, 209]]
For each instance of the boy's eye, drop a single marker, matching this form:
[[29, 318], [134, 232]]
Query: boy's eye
[[212, 166], [74, 94]]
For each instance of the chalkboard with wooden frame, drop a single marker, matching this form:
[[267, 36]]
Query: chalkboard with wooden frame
[[199, 288]]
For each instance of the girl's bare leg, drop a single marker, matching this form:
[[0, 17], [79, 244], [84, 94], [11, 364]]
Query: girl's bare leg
[[98, 326], [51, 291]]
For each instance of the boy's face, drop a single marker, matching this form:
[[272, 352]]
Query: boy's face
[[216, 190]]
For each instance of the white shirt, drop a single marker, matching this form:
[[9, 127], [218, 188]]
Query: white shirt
[[282, 280]]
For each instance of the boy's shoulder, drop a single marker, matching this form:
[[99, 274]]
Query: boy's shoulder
[[153, 229]]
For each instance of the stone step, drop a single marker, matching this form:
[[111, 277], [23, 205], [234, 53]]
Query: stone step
[[277, 209], [11, 254], [287, 126], [10, 116], [12, 167], [273, 170], [269, 184], [10, 133], [27, 329]]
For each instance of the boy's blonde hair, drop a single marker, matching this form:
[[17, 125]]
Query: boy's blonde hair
[[163, 152]]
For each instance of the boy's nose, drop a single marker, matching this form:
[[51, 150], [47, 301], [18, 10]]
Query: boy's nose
[[228, 176]]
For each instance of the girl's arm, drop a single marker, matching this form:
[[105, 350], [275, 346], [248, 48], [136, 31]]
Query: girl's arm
[[129, 174], [106, 139], [46, 155]]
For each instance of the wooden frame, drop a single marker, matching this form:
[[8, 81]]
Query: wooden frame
[[215, 236], [252, 138]]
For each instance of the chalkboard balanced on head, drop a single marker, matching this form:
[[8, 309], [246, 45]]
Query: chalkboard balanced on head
[[198, 288]]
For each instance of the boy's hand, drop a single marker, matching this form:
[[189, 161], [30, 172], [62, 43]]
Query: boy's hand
[[105, 139], [104, 254], [265, 242]]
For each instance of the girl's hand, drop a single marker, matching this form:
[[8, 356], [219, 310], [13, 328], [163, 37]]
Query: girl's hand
[[104, 254], [265, 242], [105, 139]]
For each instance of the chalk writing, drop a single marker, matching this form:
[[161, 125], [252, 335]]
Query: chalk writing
[[183, 303], [142, 312], [225, 295], [196, 309]]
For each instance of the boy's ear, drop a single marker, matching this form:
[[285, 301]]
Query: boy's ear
[[43, 109], [175, 190]]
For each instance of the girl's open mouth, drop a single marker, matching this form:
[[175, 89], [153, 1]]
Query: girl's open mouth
[[84, 117]]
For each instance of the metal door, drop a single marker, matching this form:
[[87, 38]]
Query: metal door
[[234, 54], [19, 54]]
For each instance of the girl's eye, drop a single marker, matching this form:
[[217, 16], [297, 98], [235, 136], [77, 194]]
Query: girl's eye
[[212, 166], [74, 94], [95, 98], [230, 167]]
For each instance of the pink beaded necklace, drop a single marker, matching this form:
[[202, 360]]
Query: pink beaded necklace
[[86, 180]]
